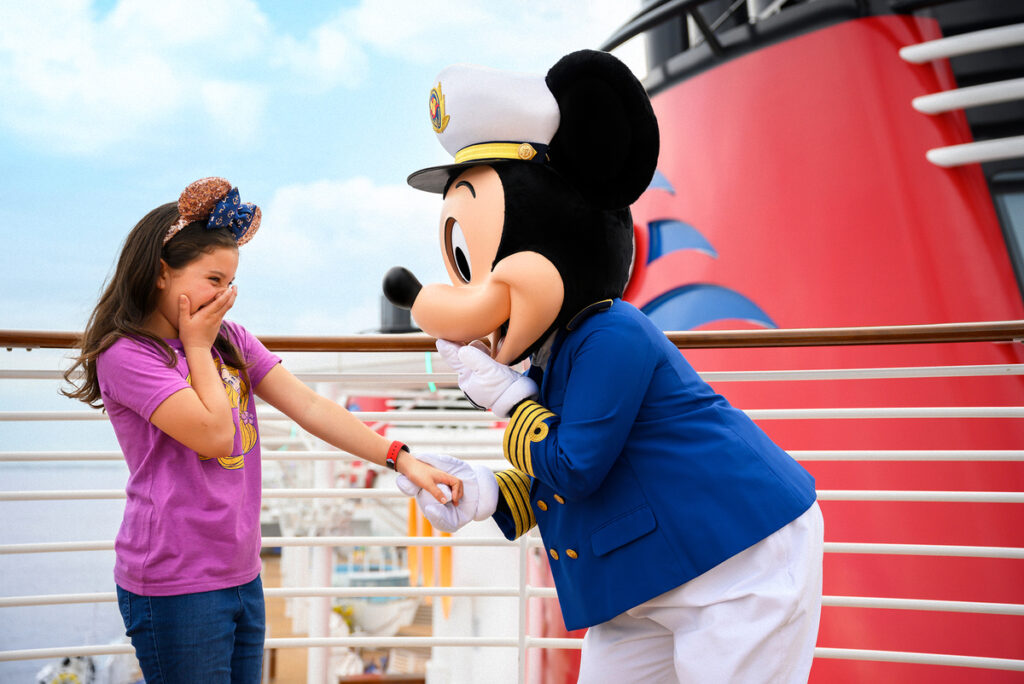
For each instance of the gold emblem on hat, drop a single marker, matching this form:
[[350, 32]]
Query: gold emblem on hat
[[526, 151], [437, 116]]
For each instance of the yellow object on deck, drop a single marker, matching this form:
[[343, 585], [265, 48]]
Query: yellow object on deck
[[422, 569]]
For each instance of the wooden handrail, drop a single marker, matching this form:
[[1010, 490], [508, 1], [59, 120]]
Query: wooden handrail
[[994, 331]]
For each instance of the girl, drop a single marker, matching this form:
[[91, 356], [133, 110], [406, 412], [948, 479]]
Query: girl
[[176, 380]]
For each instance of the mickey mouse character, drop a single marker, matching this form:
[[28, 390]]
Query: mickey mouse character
[[678, 532]]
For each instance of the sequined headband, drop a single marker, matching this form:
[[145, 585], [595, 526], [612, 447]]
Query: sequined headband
[[216, 202]]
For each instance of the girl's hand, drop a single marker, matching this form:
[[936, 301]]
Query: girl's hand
[[200, 329], [428, 477]]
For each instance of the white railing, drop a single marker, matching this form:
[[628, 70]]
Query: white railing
[[477, 440], [973, 96]]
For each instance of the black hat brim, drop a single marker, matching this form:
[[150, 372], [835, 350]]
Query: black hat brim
[[435, 178]]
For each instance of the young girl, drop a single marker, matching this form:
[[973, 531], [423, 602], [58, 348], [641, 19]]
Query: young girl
[[177, 380]]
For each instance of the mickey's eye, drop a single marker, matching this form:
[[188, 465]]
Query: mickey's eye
[[458, 250]]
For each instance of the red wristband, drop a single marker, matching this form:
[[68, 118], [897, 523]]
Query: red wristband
[[394, 450]]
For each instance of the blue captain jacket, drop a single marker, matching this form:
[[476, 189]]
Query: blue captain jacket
[[639, 476]]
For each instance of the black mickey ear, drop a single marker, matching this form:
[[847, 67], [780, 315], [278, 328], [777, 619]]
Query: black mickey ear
[[607, 138]]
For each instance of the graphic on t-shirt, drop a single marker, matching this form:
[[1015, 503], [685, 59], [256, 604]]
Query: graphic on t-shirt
[[239, 398]]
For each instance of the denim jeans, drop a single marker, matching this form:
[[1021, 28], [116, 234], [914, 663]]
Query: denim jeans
[[213, 637]]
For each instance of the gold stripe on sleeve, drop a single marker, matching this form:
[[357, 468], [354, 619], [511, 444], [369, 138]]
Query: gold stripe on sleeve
[[526, 427], [515, 488]]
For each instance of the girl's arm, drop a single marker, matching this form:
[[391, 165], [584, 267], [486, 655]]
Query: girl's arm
[[334, 424], [200, 417]]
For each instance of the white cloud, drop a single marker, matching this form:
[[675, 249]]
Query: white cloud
[[324, 247], [234, 108], [80, 84], [74, 81], [526, 36], [327, 58]]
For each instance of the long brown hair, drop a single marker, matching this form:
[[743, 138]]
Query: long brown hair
[[131, 295]]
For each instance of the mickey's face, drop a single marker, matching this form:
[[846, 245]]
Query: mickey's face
[[512, 301], [472, 218]]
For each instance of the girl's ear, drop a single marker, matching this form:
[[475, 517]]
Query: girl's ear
[[607, 139], [163, 277]]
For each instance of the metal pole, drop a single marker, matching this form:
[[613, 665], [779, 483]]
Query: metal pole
[[523, 603], [320, 608]]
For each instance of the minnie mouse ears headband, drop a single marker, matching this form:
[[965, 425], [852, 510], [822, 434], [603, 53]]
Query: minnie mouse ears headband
[[214, 200], [589, 118]]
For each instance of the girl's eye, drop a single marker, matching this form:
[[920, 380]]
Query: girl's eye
[[458, 250]]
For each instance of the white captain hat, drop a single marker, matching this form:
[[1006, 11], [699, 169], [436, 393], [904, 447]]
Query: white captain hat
[[483, 115]]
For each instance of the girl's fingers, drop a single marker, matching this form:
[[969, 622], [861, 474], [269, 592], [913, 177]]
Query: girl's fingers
[[219, 305], [436, 492], [223, 301], [455, 484]]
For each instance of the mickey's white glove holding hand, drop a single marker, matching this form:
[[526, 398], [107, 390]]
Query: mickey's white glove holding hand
[[487, 383], [479, 493]]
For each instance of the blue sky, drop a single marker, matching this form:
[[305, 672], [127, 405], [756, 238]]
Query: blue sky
[[317, 111]]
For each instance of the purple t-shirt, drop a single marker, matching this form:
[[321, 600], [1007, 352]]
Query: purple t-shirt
[[191, 523]]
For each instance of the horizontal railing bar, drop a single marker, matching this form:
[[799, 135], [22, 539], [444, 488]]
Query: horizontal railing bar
[[971, 96], [964, 44], [977, 152], [920, 658], [300, 592], [553, 642], [286, 642], [966, 455], [888, 412], [982, 608], [65, 652], [382, 378], [485, 417], [975, 607], [989, 331], [56, 599], [430, 416], [385, 379], [985, 370], [281, 592], [56, 547], [454, 449], [512, 642], [354, 493], [1014, 553], [391, 642], [273, 542]]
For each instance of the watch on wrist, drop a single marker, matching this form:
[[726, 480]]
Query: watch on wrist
[[394, 450]]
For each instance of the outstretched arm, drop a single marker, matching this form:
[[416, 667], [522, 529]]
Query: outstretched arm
[[337, 426]]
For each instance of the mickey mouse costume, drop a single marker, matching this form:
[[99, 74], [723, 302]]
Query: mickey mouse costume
[[678, 532]]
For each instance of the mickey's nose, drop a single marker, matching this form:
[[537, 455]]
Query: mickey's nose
[[401, 287]]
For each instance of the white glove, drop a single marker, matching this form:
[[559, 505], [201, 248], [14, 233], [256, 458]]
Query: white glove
[[487, 383], [479, 493]]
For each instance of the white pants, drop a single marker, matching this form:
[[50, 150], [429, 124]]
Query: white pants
[[753, 618]]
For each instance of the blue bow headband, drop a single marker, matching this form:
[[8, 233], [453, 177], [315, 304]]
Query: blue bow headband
[[214, 200]]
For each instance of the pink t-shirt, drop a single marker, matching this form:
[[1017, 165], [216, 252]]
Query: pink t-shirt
[[191, 523]]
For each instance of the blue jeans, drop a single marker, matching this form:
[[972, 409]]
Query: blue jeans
[[207, 637]]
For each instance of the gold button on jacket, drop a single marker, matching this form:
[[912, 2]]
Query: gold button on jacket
[[541, 505], [554, 554]]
